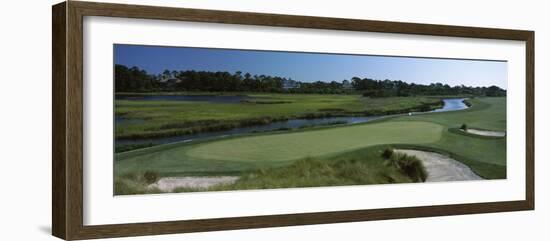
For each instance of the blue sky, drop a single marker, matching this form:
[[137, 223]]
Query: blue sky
[[314, 66]]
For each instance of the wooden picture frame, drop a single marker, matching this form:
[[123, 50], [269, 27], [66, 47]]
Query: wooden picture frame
[[67, 156]]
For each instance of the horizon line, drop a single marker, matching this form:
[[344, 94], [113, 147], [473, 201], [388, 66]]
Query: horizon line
[[326, 81]]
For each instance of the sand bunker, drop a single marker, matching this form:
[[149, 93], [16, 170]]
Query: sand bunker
[[168, 184], [441, 168], [486, 133]]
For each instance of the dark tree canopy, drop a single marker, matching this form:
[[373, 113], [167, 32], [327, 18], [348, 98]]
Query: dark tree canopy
[[135, 79]]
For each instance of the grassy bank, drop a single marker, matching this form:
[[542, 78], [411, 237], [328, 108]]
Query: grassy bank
[[271, 150], [358, 167], [271, 160], [173, 118]]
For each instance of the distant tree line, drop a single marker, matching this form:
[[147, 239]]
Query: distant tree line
[[386, 88], [135, 79]]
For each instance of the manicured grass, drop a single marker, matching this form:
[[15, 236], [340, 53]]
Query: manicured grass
[[298, 145], [170, 118], [257, 151], [358, 167], [485, 113], [268, 160], [483, 169]]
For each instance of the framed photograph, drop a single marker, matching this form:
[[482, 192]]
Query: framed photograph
[[171, 120]]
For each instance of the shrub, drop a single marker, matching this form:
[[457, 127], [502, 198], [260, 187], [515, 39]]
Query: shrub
[[411, 166], [151, 177], [388, 152], [135, 183], [464, 127]]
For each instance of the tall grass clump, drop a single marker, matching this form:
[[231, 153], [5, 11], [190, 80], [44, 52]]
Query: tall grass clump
[[124, 186], [388, 152], [409, 165], [358, 168], [135, 183], [151, 177], [306, 173], [464, 127]]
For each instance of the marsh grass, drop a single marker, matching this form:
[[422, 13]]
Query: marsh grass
[[135, 183], [486, 113], [129, 147], [359, 167], [388, 153], [165, 119], [409, 165], [305, 173], [151, 177], [331, 123]]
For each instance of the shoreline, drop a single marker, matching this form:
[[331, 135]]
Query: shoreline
[[258, 122], [441, 168]]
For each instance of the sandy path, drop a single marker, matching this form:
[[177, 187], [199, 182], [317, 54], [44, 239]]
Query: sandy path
[[486, 133], [168, 184], [442, 168]]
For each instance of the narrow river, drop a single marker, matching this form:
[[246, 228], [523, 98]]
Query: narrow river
[[449, 105]]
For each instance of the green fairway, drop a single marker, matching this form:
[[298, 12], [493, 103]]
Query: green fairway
[[486, 156], [485, 113], [279, 151], [292, 146], [239, 154]]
